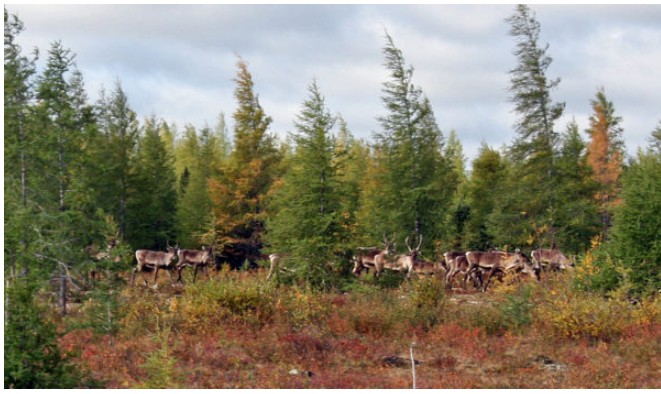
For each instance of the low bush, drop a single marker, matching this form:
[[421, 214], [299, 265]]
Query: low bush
[[303, 306], [583, 315], [231, 295], [427, 302]]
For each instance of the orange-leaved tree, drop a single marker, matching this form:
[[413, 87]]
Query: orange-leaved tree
[[239, 195], [605, 155]]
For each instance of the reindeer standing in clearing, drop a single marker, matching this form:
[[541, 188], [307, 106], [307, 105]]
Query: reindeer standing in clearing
[[196, 259], [149, 259]]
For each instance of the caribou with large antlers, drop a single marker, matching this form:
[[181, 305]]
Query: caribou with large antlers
[[403, 262], [156, 261]]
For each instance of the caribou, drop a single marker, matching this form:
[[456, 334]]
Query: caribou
[[499, 261], [196, 259], [367, 258], [156, 261], [402, 262], [275, 260], [457, 263], [422, 267], [553, 257], [99, 256]]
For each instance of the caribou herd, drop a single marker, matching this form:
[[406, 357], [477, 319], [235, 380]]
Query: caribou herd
[[477, 267]]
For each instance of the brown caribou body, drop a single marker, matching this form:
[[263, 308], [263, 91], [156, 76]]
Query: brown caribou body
[[155, 260], [499, 261], [402, 262], [367, 258], [196, 259], [421, 267], [458, 263], [554, 258]]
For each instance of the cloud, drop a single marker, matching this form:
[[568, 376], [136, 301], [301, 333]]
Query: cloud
[[178, 61]]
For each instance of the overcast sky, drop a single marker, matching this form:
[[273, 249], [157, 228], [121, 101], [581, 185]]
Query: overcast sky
[[178, 61]]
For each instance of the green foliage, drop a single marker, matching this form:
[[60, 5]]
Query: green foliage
[[151, 211], [413, 190], [160, 366], [113, 152], [240, 194], [655, 140], [578, 220], [636, 242], [517, 309], [102, 310], [200, 157], [307, 222], [534, 175], [583, 315], [230, 296], [33, 359], [488, 181], [427, 301]]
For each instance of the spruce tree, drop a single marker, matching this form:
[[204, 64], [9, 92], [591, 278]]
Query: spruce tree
[[635, 243], [58, 124], [534, 150], [32, 357], [459, 213], [18, 92], [488, 181], [201, 158], [655, 139], [240, 194], [151, 209], [308, 219], [415, 194], [578, 220], [20, 176], [113, 153]]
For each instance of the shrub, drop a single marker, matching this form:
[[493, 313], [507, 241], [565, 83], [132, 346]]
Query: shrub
[[33, 359], [230, 295], [375, 313], [427, 302], [487, 317], [517, 309], [160, 365], [583, 315], [304, 306]]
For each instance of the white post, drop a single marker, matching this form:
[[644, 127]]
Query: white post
[[413, 365]]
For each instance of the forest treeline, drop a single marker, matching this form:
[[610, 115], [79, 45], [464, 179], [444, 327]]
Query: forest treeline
[[79, 175]]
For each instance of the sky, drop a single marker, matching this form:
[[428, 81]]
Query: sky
[[178, 61]]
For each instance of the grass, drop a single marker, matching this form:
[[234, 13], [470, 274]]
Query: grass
[[236, 330]]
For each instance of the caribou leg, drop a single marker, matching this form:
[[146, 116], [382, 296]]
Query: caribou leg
[[491, 272]]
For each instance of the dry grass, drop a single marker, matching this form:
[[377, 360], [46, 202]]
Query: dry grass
[[238, 331]]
